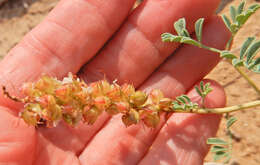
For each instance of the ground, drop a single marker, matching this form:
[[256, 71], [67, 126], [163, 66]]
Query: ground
[[17, 17]]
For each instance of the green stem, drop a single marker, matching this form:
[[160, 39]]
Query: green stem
[[211, 49], [251, 82], [222, 110], [228, 45]]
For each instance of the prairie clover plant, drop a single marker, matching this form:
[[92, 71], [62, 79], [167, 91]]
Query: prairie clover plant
[[49, 100], [247, 58]]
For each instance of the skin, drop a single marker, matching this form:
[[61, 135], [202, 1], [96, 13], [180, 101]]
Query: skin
[[95, 37]]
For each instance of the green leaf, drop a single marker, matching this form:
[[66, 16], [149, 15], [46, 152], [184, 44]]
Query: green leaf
[[234, 28], [207, 88], [216, 141], [256, 69], [228, 157], [245, 45], [181, 99], [220, 155], [237, 62], [240, 8], [168, 37], [218, 149], [255, 65], [176, 105], [179, 26], [227, 54], [202, 86], [190, 41], [254, 7], [185, 33], [233, 13], [198, 91], [226, 21], [231, 121], [198, 28], [186, 98], [252, 50], [256, 62], [243, 17]]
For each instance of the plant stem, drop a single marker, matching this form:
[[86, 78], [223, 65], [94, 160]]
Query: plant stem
[[228, 45], [222, 110], [211, 49], [251, 82]]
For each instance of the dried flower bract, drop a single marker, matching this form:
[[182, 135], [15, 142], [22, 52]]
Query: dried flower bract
[[49, 100]]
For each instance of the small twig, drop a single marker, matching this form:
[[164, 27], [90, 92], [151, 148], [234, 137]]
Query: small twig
[[6, 93]]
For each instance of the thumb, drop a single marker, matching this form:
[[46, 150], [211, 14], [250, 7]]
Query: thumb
[[17, 139]]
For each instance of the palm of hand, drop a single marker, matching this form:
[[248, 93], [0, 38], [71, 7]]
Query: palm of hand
[[65, 41]]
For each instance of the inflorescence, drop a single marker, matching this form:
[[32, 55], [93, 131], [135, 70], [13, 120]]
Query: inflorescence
[[49, 100]]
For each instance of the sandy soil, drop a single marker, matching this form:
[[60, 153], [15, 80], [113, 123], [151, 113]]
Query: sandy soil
[[17, 17]]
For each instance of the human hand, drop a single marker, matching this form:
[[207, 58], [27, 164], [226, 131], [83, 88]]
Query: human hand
[[72, 36]]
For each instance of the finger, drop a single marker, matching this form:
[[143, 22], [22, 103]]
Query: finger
[[17, 139], [128, 146], [21, 144], [69, 36], [48, 153], [137, 50], [183, 138]]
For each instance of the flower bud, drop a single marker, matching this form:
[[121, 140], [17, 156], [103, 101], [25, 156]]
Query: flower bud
[[29, 91], [115, 94], [165, 104], [31, 113], [132, 117], [102, 102], [105, 86], [63, 94], [155, 96], [122, 107], [46, 101], [150, 119], [138, 98], [90, 114], [29, 117], [47, 84], [112, 109], [128, 90]]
